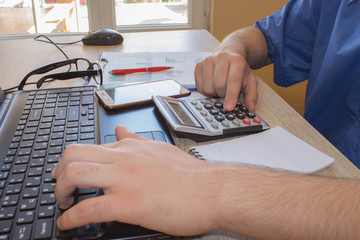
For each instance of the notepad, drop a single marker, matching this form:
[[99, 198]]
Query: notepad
[[275, 148]]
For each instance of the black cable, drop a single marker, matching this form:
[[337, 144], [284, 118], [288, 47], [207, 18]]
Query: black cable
[[67, 43], [50, 41]]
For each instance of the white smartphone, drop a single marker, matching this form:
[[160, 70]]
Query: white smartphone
[[133, 94]]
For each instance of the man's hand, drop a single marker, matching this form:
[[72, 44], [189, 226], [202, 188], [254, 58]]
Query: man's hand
[[147, 183], [226, 74]]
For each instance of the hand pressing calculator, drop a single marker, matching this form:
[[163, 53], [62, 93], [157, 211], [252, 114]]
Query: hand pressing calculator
[[207, 117]]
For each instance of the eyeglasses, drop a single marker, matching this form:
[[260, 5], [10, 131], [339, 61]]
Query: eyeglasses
[[93, 69]]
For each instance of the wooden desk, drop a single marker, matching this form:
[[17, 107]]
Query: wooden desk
[[18, 57]]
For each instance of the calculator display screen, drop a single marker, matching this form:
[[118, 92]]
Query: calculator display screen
[[181, 114]]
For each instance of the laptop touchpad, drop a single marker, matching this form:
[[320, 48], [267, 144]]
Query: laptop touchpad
[[152, 135]]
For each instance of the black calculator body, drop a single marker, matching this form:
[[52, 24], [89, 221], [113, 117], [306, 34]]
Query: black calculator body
[[207, 117]]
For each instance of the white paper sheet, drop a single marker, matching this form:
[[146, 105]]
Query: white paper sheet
[[275, 148], [183, 64]]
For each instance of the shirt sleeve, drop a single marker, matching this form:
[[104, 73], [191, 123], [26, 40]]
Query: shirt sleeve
[[290, 34]]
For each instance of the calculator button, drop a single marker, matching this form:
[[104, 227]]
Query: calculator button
[[246, 121], [203, 113], [236, 110], [223, 111], [218, 105], [239, 104], [213, 111], [243, 108], [198, 107], [208, 106], [209, 119], [225, 123], [257, 120], [215, 125], [194, 103], [236, 122], [230, 116], [203, 101], [250, 114], [213, 100], [240, 115], [219, 118]]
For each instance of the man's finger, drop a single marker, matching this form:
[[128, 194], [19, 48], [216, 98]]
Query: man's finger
[[208, 77], [221, 74], [251, 91], [92, 210], [234, 83], [121, 132], [198, 76], [80, 153], [83, 175]]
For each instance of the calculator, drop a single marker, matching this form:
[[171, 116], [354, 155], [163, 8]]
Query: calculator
[[207, 117]]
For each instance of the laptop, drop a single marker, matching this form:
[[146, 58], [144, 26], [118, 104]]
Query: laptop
[[35, 128]]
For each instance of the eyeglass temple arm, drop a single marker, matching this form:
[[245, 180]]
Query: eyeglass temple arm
[[44, 69], [66, 76]]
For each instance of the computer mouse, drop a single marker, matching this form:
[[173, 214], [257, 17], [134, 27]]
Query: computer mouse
[[103, 37]]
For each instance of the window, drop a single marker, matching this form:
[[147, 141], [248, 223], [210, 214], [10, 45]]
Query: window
[[60, 16], [45, 16]]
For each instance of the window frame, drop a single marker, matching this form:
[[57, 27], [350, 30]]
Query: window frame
[[102, 16]]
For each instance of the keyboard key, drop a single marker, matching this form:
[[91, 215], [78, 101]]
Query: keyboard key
[[46, 211], [47, 199], [33, 182], [24, 151], [26, 144], [7, 213], [73, 114], [22, 232], [37, 162], [87, 136], [16, 178], [28, 137], [35, 115], [25, 217], [43, 229], [86, 100], [22, 159], [28, 204], [5, 226], [87, 129], [42, 139], [13, 189], [11, 200], [35, 171], [30, 192], [4, 175], [60, 113], [49, 112]]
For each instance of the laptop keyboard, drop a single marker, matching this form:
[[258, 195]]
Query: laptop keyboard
[[51, 120]]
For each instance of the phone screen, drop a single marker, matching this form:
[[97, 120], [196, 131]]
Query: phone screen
[[142, 92]]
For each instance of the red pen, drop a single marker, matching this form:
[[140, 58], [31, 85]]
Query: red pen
[[138, 70]]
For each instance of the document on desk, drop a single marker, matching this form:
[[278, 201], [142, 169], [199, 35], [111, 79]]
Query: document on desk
[[183, 64], [275, 148]]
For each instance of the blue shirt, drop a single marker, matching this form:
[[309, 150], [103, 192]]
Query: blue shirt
[[319, 40]]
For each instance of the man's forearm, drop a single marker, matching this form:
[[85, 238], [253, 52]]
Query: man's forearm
[[248, 42], [265, 204]]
